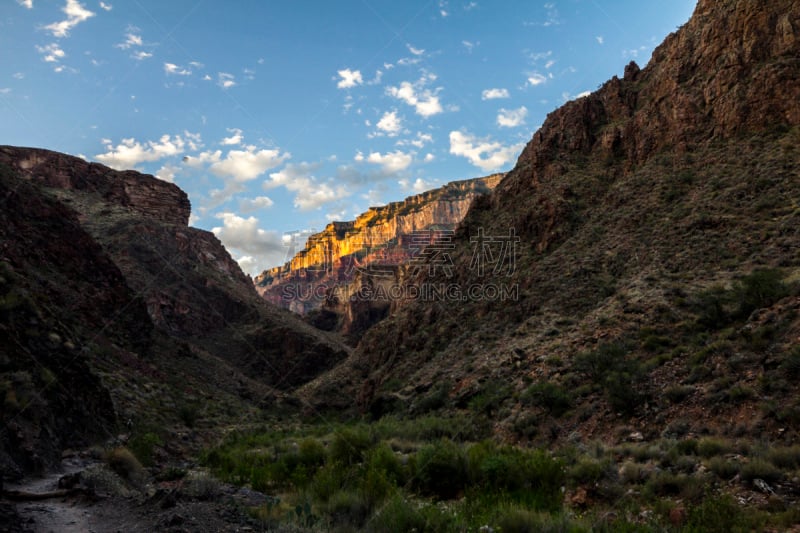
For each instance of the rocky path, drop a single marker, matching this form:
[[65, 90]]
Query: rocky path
[[57, 514]]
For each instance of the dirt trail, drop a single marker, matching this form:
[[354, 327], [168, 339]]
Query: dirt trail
[[63, 514]]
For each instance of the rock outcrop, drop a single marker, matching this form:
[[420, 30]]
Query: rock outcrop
[[372, 250], [132, 190]]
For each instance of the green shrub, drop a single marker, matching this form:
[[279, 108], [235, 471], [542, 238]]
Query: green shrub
[[709, 447], [687, 447], [188, 414], [350, 445], [786, 458], [441, 470], [760, 469], [598, 363], [791, 365], [520, 520], [678, 393], [723, 468], [759, 289], [399, 515], [143, 445], [383, 459], [348, 508], [490, 398], [330, 479], [590, 471], [311, 453], [720, 515], [549, 396]]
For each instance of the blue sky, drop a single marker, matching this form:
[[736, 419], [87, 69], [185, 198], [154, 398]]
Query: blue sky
[[278, 117]]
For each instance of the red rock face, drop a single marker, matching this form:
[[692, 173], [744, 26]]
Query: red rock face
[[142, 193], [341, 260]]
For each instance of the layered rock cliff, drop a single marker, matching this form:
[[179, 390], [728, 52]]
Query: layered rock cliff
[[628, 204], [346, 256]]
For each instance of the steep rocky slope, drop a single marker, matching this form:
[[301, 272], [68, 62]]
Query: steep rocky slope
[[637, 209], [114, 310]]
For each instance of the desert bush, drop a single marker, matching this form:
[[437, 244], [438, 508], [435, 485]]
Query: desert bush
[[330, 479], [203, 487], [710, 306], [383, 459], [709, 447], [143, 445], [520, 520], [791, 365], [761, 288], [492, 395], [122, 461], [760, 469], [403, 516], [549, 396], [441, 470], [590, 471], [598, 363], [347, 508], [678, 393], [349, 446], [723, 468], [785, 458], [311, 453], [720, 514]]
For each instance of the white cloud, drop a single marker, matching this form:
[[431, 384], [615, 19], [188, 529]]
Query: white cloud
[[536, 79], [419, 141], [225, 80], [130, 152], [26, 3], [236, 138], [253, 204], [262, 249], [483, 153], [172, 68], [469, 45], [202, 158], [425, 102], [131, 39], [429, 158], [493, 94], [76, 14], [19, 76], [5, 90], [470, 6], [167, 173], [310, 193], [511, 118], [600, 39], [418, 186], [248, 164], [415, 51], [140, 55], [52, 53], [106, 7], [350, 78], [390, 123], [390, 162]]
